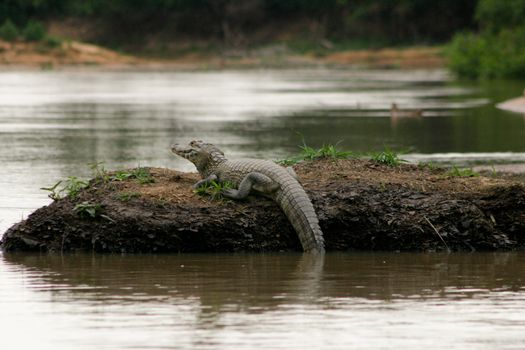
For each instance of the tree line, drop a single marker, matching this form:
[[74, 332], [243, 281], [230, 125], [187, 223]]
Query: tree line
[[487, 37], [401, 21]]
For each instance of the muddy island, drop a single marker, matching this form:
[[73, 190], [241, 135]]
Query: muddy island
[[361, 205]]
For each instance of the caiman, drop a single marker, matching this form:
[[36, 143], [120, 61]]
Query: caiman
[[260, 177]]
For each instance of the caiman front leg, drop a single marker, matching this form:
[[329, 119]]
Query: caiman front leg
[[256, 181], [205, 181]]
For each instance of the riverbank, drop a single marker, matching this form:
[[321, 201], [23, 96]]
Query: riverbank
[[62, 54], [362, 205]]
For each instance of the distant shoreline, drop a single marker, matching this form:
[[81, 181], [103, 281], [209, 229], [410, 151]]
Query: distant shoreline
[[75, 54]]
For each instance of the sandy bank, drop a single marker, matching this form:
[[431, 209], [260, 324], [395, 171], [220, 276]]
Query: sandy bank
[[78, 54]]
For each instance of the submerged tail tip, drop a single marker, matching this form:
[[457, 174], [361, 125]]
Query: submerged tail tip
[[317, 249]]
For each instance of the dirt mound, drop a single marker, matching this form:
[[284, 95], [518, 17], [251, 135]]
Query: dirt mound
[[361, 205]]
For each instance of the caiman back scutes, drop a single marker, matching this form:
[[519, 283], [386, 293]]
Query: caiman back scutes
[[290, 195]]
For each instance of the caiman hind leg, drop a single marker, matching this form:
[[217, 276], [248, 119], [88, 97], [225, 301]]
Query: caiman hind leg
[[255, 181]]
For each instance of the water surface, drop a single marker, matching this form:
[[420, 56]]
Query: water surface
[[341, 301], [53, 123]]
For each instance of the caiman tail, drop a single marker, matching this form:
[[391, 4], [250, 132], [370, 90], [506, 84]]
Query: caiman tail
[[299, 210]]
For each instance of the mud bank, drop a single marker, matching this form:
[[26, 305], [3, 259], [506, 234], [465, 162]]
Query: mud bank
[[361, 205]]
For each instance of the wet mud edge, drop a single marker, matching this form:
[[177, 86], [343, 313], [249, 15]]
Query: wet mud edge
[[361, 205]]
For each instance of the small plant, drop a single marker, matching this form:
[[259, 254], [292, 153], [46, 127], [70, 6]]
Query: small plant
[[142, 175], [72, 187], [127, 196], [493, 171], [456, 172], [88, 210], [213, 189], [99, 172], [121, 175], [387, 157], [34, 31], [9, 31], [54, 191]]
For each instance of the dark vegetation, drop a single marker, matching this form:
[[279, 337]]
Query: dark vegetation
[[497, 49], [32, 31], [241, 23]]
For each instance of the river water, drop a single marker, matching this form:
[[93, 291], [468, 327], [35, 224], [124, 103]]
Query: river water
[[53, 123], [341, 301]]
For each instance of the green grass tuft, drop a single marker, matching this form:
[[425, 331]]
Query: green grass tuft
[[213, 189], [310, 153], [457, 172], [142, 175], [121, 175], [387, 157]]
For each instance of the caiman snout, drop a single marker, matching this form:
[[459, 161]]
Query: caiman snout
[[179, 149]]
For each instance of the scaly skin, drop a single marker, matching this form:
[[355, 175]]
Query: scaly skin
[[260, 176]]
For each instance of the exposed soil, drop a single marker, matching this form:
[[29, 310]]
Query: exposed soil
[[415, 57], [361, 205]]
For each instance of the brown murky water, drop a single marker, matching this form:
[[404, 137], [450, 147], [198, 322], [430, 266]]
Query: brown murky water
[[340, 301]]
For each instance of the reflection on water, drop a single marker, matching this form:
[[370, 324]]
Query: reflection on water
[[341, 301], [53, 123]]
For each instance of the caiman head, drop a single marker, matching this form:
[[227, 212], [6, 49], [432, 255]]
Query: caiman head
[[203, 155]]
